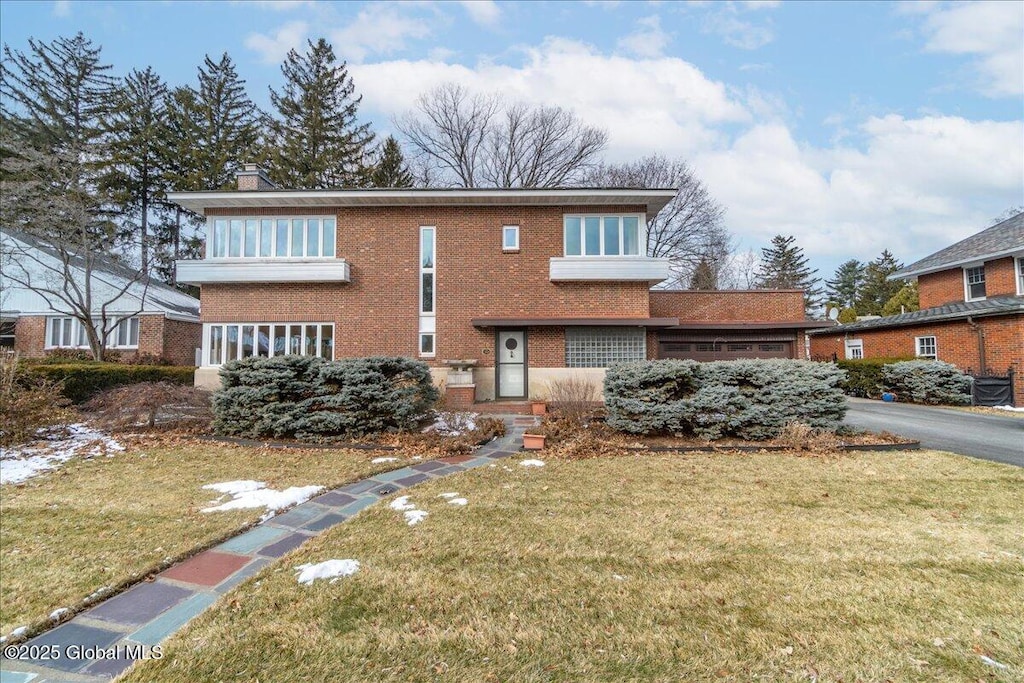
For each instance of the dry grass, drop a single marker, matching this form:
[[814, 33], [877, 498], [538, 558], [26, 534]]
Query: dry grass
[[984, 410], [106, 521], [872, 567]]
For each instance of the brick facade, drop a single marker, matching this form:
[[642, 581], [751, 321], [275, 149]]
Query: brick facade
[[957, 342], [729, 305], [175, 340], [947, 286]]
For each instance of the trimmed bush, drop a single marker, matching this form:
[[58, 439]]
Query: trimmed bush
[[864, 377], [749, 399], [82, 381], [928, 381], [313, 399]]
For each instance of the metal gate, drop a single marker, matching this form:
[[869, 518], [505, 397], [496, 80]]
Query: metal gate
[[992, 390]]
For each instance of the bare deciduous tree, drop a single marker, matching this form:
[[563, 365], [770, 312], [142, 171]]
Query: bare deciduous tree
[[689, 229], [465, 140]]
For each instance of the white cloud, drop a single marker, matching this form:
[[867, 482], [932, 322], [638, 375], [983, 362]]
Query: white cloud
[[912, 185], [988, 31], [377, 29], [278, 5], [726, 21], [62, 9], [273, 49], [483, 12], [761, 4], [647, 40]]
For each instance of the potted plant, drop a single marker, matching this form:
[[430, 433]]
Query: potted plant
[[539, 407], [533, 442]]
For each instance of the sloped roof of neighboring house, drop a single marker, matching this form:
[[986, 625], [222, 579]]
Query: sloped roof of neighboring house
[[1002, 239], [654, 199], [957, 310], [152, 296]]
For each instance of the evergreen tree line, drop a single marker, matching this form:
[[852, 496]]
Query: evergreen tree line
[[69, 129]]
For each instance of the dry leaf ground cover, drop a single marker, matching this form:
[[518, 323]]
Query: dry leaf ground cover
[[865, 567], [102, 522]]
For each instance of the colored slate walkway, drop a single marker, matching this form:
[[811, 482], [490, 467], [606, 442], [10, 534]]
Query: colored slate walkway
[[101, 642]]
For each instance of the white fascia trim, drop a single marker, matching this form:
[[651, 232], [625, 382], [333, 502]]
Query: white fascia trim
[[229, 270], [960, 263], [609, 268]]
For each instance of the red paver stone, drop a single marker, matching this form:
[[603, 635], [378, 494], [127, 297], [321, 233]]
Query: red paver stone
[[455, 459], [206, 569]]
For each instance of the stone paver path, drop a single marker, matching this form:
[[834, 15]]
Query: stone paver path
[[120, 630]]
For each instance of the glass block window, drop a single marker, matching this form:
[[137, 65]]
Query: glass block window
[[602, 347]]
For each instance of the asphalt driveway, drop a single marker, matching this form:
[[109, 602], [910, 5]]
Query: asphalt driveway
[[992, 437]]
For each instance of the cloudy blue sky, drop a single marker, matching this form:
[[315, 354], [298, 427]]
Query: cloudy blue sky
[[855, 127]]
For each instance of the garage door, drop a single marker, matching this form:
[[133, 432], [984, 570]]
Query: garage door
[[724, 350]]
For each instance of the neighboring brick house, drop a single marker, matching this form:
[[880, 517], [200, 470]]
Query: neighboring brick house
[[144, 317], [972, 310], [531, 284]]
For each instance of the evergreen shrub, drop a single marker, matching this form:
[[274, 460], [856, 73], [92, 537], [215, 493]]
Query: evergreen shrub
[[749, 399], [314, 399], [928, 381], [864, 376], [82, 381]]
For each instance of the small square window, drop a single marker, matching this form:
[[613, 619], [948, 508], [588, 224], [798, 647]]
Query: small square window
[[426, 344], [926, 348], [854, 349], [510, 238]]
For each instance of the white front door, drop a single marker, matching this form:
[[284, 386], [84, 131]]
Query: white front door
[[511, 370]]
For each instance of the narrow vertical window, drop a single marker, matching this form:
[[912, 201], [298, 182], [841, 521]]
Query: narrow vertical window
[[428, 294], [313, 237], [266, 236], [572, 236], [216, 345], [281, 248], [298, 227], [250, 237], [611, 235], [220, 238], [232, 345], [328, 249], [327, 342], [631, 236], [592, 235], [235, 238], [263, 341]]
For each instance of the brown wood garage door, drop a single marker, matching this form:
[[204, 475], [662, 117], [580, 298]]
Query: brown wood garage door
[[731, 349]]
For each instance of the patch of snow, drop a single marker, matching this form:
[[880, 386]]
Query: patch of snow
[[453, 423], [618, 577], [1012, 408], [55, 448], [992, 662], [56, 614], [532, 463], [458, 501], [402, 503], [414, 517], [253, 494], [19, 632], [377, 461], [452, 494], [331, 569]]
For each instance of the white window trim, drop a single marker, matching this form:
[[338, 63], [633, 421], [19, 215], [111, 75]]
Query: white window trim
[[917, 347], [967, 286], [211, 228], [1019, 263], [428, 319], [641, 232], [425, 354], [208, 339], [77, 331], [515, 228], [852, 344]]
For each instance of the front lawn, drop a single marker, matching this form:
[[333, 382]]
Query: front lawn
[[101, 522], [869, 567]]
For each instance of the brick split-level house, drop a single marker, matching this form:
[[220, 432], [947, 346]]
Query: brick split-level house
[[531, 284], [972, 310], [143, 316]]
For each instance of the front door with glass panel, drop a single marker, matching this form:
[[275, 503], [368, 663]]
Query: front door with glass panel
[[511, 371]]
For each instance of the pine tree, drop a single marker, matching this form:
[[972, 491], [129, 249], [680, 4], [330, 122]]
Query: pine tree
[[704, 276], [316, 140], [878, 288], [227, 121], [844, 288], [138, 131], [391, 169], [784, 266], [904, 301]]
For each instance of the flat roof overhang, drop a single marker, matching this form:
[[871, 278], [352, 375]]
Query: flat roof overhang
[[654, 199], [785, 325], [574, 322]]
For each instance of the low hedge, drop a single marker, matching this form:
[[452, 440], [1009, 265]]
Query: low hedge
[[933, 382], [750, 399], [864, 377], [81, 381], [314, 399]]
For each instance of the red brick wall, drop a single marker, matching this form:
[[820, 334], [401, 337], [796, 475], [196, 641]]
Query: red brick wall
[[947, 286], [175, 340], [729, 305], [377, 312], [956, 342]]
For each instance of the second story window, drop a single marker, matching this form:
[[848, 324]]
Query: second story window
[[247, 237], [1020, 275], [603, 235], [974, 283]]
